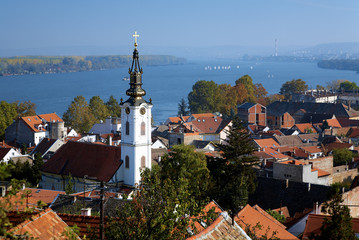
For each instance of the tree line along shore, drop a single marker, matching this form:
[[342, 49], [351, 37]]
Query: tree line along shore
[[57, 64]]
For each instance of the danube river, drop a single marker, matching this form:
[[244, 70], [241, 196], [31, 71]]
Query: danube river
[[166, 85]]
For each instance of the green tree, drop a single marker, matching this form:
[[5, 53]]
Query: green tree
[[290, 87], [69, 188], [342, 156], [156, 212], [338, 226], [348, 86], [98, 108], [202, 98], [185, 166], [233, 175], [183, 108], [79, 115], [247, 82], [276, 215], [8, 114], [25, 109], [113, 107]]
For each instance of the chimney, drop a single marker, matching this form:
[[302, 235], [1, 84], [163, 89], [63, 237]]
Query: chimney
[[86, 211], [2, 191], [110, 140], [316, 208], [286, 183], [308, 187]]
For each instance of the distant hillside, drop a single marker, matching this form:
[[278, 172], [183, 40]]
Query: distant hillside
[[344, 64], [53, 64]]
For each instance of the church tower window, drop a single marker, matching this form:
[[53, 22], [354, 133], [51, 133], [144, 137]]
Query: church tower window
[[127, 128], [127, 161], [143, 128]]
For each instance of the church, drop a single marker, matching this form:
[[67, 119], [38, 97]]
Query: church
[[89, 163]]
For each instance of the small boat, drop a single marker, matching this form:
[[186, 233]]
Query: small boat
[[126, 79]]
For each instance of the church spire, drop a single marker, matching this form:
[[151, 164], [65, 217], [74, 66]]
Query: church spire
[[135, 91]]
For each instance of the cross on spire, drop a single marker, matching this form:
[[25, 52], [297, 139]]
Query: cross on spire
[[135, 36]]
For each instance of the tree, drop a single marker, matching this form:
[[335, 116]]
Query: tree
[[8, 114], [98, 108], [342, 156], [233, 175], [338, 226], [247, 82], [260, 93], [348, 86], [202, 98], [334, 85], [156, 212], [69, 188], [113, 107], [79, 115], [183, 108], [290, 87], [185, 166], [25, 109]]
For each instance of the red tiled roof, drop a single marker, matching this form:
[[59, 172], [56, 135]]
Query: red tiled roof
[[270, 153], [354, 133], [200, 115], [250, 216], [337, 145], [266, 143], [207, 124], [312, 149], [321, 173], [334, 123], [177, 119], [82, 159], [51, 117], [45, 225], [303, 127], [315, 222], [33, 121]]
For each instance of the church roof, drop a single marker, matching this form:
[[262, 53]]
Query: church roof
[[80, 159]]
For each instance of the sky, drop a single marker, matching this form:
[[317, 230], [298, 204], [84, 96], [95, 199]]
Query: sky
[[40, 24]]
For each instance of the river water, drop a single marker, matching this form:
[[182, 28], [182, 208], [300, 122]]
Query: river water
[[166, 85]]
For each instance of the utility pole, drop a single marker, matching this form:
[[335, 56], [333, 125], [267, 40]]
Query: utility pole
[[102, 215]]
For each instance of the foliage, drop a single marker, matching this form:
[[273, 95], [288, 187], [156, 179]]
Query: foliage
[[8, 114], [334, 84], [348, 86], [69, 188], [98, 108], [342, 156], [71, 233], [232, 175], [341, 64], [279, 217], [290, 87], [339, 225], [183, 108], [156, 212], [207, 96], [79, 115], [184, 166], [25, 109], [167, 195], [113, 107]]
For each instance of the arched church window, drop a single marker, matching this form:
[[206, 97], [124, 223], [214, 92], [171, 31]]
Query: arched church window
[[127, 161], [127, 128], [143, 162], [143, 128]]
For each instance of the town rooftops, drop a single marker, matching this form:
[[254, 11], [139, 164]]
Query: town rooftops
[[250, 216], [44, 146], [338, 109], [80, 159], [321, 173], [266, 143], [305, 127], [33, 122]]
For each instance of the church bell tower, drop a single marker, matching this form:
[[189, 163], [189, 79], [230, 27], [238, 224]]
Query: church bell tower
[[135, 126]]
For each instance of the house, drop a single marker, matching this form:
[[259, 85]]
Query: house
[[203, 127], [300, 171], [261, 144], [47, 147], [206, 146], [313, 151], [250, 217], [315, 222], [252, 113], [43, 225], [6, 154], [277, 120], [111, 125], [32, 129], [304, 128], [87, 163]]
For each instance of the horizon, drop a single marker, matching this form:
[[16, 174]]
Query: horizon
[[43, 27]]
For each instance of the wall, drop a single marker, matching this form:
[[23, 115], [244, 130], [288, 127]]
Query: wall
[[346, 175], [351, 198], [324, 163]]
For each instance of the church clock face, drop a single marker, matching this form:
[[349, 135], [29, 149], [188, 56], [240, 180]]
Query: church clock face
[[128, 110], [143, 111]]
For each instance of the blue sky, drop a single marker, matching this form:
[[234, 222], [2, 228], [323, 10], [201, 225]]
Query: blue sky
[[107, 23]]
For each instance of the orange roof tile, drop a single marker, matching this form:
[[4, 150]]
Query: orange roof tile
[[266, 143], [34, 121], [250, 216], [198, 115], [51, 117], [177, 119], [207, 124], [334, 123], [45, 225], [321, 173], [312, 149], [303, 127]]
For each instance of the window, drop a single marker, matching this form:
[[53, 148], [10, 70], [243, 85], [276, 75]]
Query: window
[[143, 128], [127, 128], [179, 141], [143, 162], [127, 161]]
